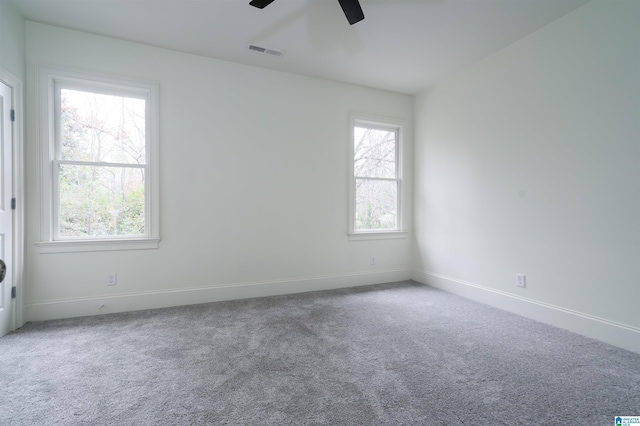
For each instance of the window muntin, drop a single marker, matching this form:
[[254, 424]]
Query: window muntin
[[376, 177]]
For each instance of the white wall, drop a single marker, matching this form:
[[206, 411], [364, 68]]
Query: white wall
[[529, 161], [12, 39], [253, 185]]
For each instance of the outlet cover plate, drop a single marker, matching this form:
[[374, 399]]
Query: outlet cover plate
[[112, 278]]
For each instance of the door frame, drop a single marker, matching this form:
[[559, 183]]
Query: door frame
[[15, 84]]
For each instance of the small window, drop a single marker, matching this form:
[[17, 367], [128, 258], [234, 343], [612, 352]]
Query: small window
[[101, 155], [376, 178]]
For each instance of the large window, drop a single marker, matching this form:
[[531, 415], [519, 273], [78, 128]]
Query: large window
[[376, 178], [99, 158]]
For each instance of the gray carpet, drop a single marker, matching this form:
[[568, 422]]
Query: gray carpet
[[392, 354]]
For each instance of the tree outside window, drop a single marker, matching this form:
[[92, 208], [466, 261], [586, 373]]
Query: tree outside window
[[100, 164]]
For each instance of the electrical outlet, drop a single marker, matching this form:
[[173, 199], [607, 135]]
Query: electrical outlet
[[372, 260], [112, 278], [521, 280]]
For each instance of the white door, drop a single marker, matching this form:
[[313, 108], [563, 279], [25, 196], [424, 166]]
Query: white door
[[7, 322]]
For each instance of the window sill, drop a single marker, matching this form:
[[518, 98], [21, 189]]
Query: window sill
[[389, 235], [76, 246]]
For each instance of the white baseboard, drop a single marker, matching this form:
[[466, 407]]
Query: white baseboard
[[69, 308], [611, 332]]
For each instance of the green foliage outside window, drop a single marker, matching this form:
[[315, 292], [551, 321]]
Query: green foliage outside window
[[101, 165]]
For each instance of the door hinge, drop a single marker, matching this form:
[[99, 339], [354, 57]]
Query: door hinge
[[14, 292], [13, 115], [13, 204]]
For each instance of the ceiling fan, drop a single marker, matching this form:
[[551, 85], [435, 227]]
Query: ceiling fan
[[351, 8]]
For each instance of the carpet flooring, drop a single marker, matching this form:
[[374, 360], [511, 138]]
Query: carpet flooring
[[393, 354]]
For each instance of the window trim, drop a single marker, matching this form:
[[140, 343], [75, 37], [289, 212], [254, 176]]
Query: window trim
[[383, 123], [48, 79]]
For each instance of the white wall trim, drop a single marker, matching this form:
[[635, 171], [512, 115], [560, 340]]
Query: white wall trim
[[47, 79], [80, 246], [368, 236], [391, 124], [68, 308], [611, 332], [16, 86]]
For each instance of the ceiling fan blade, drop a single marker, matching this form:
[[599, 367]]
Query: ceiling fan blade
[[260, 4], [352, 10]]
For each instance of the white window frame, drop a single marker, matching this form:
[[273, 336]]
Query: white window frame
[[361, 120], [50, 80]]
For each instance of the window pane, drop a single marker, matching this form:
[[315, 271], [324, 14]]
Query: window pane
[[374, 153], [101, 128], [101, 201], [376, 204]]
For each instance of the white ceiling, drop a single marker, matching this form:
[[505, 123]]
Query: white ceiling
[[402, 45]]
